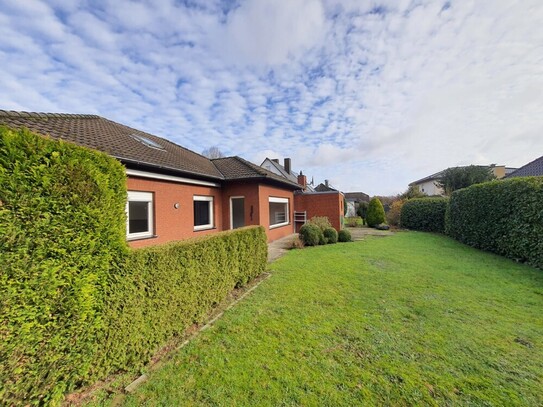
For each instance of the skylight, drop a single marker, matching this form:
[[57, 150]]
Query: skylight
[[147, 141]]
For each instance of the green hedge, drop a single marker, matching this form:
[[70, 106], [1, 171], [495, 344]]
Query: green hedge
[[504, 217], [75, 303], [376, 213], [426, 214], [164, 289], [62, 230]]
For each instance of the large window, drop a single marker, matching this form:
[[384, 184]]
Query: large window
[[139, 213], [278, 212], [203, 212]]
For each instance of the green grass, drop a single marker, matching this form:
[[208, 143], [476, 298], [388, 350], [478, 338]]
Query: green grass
[[413, 319]]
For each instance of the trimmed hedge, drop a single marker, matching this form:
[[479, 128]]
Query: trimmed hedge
[[426, 214], [504, 217], [344, 236], [75, 303], [62, 232], [311, 234], [330, 235], [162, 290]]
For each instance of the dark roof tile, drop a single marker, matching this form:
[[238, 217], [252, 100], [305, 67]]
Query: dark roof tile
[[533, 168]]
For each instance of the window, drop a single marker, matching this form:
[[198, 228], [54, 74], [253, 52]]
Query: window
[[147, 141], [203, 212], [139, 213], [278, 212]]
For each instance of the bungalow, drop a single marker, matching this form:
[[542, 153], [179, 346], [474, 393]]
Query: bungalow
[[175, 193]]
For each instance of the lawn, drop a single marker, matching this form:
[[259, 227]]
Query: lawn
[[412, 319]]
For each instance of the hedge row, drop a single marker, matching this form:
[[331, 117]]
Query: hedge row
[[426, 214], [75, 303], [161, 290], [62, 231], [504, 217]]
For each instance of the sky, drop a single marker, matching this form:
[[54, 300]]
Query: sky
[[370, 95]]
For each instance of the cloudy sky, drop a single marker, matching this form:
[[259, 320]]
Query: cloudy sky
[[371, 95]]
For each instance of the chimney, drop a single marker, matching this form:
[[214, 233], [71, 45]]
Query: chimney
[[287, 165], [326, 182], [302, 180], [275, 160]]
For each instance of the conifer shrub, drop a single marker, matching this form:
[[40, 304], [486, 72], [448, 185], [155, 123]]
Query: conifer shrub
[[330, 235], [311, 234], [425, 214], [344, 236], [376, 213], [504, 217], [62, 234]]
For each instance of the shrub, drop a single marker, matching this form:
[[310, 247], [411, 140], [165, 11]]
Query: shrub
[[376, 213], [393, 215], [344, 236], [330, 235], [322, 222], [311, 234], [62, 231], [353, 221], [426, 214], [362, 211], [161, 290], [504, 217]]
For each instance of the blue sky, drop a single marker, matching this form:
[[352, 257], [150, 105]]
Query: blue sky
[[370, 95]]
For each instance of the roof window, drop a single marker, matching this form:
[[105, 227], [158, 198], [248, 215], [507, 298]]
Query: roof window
[[147, 141]]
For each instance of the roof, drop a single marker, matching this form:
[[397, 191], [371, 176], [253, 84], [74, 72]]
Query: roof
[[129, 145], [236, 168], [281, 169], [357, 196], [324, 188], [439, 174], [533, 168]]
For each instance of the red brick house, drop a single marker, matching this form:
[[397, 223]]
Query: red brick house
[[175, 193]]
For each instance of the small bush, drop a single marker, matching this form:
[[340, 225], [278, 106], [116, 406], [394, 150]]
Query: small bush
[[330, 235], [344, 236], [322, 222], [353, 221], [297, 243], [504, 217], [426, 214], [376, 213], [362, 211], [393, 214], [311, 234]]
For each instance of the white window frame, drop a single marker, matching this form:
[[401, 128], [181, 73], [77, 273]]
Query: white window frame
[[209, 199], [273, 199], [138, 196]]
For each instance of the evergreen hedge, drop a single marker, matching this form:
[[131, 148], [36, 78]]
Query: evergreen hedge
[[426, 214], [162, 290], [75, 303], [62, 232], [504, 217], [376, 213]]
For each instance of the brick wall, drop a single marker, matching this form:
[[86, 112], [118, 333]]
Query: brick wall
[[249, 190], [265, 192], [329, 204], [171, 223]]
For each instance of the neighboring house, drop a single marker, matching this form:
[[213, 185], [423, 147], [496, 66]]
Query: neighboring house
[[353, 199], [175, 193], [326, 187], [429, 185], [272, 164], [534, 168]]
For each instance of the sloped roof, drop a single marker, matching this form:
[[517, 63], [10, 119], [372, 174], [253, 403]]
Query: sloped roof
[[439, 174], [291, 177], [357, 196], [324, 188], [122, 142], [236, 168], [533, 168]]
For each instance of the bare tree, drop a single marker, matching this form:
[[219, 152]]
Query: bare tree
[[213, 152]]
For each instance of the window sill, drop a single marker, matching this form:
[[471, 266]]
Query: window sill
[[202, 228], [133, 239], [279, 225]]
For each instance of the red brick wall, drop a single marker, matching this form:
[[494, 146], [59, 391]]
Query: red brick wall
[[321, 204], [265, 192], [250, 192], [170, 223]]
